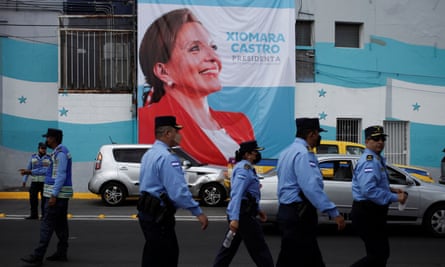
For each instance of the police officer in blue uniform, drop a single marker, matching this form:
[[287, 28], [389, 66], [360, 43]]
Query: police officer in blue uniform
[[300, 194], [57, 191], [163, 189], [36, 168], [372, 196], [243, 210]]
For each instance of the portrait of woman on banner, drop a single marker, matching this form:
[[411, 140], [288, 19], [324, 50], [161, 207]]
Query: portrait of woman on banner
[[179, 61]]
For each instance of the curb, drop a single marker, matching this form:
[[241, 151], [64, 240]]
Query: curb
[[25, 195]]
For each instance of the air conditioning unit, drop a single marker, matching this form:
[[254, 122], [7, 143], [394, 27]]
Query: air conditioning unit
[[115, 50]]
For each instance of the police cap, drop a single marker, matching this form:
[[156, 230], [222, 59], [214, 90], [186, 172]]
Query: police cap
[[373, 131], [42, 145], [167, 121], [308, 124], [250, 146], [53, 133]]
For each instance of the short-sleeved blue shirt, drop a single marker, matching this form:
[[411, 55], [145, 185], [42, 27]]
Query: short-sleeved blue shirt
[[370, 180], [161, 171], [298, 170]]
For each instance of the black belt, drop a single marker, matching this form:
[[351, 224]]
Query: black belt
[[370, 205], [249, 206], [149, 204]]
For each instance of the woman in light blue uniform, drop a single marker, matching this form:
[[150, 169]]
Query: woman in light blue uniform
[[243, 209]]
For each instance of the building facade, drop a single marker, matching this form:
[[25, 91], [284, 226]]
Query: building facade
[[72, 65], [375, 62]]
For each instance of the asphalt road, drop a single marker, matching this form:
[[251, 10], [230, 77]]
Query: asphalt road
[[110, 236]]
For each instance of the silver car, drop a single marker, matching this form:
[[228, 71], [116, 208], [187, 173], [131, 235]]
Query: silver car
[[116, 175], [425, 205]]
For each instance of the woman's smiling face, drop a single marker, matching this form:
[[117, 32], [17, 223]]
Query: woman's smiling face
[[194, 66]]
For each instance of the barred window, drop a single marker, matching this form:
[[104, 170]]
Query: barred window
[[96, 55], [397, 143], [304, 56], [303, 32], [349, 130]]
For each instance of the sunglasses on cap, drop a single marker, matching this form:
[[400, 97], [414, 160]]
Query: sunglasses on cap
[[378, 138]]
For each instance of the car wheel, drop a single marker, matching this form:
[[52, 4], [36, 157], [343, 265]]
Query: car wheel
[[434, 220], [212, 194], [113, 194]]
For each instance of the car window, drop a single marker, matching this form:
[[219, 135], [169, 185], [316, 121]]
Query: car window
[[337, 170], [133, 155], [327, 149], [354, 150], [396, 177], [182, 155]]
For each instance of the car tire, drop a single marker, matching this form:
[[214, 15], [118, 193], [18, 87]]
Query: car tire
[[434, 220], [212, 194], [113, 194]]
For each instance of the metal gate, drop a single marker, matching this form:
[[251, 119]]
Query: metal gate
[[397, 143]]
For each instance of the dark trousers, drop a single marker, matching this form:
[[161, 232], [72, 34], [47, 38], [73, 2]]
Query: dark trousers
[[54, 220], [251, 233], [369, 221], [34, 190], [161, 247], [299, 246]]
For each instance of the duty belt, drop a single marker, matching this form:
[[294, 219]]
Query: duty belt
[[152, 205]]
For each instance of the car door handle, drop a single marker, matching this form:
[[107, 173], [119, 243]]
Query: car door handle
[[123, 168]]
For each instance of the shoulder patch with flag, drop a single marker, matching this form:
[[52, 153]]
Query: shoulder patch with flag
[[176, 164]]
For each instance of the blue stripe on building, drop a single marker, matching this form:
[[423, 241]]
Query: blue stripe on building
[[373, 64], [29, 61], [83, 140]]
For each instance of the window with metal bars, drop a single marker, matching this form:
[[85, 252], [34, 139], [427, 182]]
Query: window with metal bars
[[303, 32], [397, 142], [349, 129], [97, 54], [304, 56]]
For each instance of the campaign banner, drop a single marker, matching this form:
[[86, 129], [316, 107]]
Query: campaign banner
[[225, 70]]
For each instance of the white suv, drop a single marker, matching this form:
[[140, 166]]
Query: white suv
[[116, 175]]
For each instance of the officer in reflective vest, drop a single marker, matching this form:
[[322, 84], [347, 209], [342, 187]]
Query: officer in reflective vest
[[37, 168], [57, 191]]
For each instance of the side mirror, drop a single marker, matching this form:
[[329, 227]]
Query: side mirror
[[186, 164], [410, 182]]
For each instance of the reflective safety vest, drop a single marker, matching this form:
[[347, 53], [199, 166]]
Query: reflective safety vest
[[66, 191], [41, 163]]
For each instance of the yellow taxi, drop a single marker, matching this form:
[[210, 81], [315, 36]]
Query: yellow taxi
[[332, 147], [339, 147], [351, 148]]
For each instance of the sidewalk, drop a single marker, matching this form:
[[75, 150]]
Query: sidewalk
[[22, 193]]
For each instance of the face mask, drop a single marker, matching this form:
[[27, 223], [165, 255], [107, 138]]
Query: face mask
[[318, 141], [258, 158], [178, 138]]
